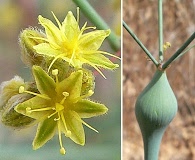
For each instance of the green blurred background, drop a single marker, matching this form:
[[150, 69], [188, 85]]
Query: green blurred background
[[16, 15]]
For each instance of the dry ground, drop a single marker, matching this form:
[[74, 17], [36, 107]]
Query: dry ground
[[179, 23]]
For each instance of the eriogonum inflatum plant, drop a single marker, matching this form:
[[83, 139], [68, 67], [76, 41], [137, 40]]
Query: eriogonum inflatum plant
[[59, 106], [57, 100], [69, 42]]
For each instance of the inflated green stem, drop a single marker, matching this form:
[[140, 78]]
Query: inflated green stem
[[155, 108]]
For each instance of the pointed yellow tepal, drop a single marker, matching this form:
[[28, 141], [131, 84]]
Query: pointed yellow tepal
[[70, 42]]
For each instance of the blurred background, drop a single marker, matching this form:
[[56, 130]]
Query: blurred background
[[16, 15], [179, 23]]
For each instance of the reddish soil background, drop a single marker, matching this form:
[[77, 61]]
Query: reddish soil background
[[179, 23]]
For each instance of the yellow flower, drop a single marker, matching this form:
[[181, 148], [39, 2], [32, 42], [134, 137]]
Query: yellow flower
[[70, 43], [59, 106]]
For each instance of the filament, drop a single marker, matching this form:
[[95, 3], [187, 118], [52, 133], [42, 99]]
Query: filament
[[62, 150], [79, 119], [22, 90], [89, 93]]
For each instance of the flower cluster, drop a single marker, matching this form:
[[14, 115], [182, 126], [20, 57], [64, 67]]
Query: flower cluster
[[58, 98]]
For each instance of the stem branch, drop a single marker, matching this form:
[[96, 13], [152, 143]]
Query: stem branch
[[179, 51], [160, 29], [140, 44]]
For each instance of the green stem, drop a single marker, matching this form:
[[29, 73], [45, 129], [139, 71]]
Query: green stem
[[95, 18], [160, 29], [179, 51], [140, 44]]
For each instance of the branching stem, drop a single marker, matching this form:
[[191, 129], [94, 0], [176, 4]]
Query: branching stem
[[140, 44], [160, 29], [179, 51]]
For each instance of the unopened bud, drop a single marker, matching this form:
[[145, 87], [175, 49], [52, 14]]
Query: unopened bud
[[28, 54], [12, 118], [88, 83]]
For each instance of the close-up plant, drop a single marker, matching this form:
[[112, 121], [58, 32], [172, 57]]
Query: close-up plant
[[156, 106], [64, 60]]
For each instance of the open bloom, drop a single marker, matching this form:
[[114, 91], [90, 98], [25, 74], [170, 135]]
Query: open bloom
[[59, 106], [69, 42]]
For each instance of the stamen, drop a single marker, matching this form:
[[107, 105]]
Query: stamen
[[89, 93], [55, 119], [89, 126], [30, 110], [79, 119], [102, 52], [59, 24], [65, 94], [53, 61], [78, 15], [54, 45], [62, 150], [68, 132], [22, 90], [84, 28], [55, 73], [94, 66]]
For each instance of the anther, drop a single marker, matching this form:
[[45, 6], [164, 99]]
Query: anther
[[89, 93], [65, 94], [55, 72], [57, 119], [68, 133], [62, 150], [21, 89], [28, 110]]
